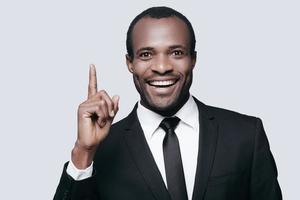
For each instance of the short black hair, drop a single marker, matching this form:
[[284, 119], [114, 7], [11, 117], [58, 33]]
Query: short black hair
[[157, 13]]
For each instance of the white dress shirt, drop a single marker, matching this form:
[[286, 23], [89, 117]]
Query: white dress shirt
[[187, 132]]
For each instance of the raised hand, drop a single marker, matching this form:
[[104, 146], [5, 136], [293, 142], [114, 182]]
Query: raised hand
[[95, 116]]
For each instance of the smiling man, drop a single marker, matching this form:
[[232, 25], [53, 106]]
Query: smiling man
[[162, 63], [171, 146]]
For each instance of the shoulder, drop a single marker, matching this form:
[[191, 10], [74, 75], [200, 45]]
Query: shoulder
[[226, 114], [228, 117]]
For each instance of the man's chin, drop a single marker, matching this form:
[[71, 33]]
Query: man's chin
[[163, 108], [167, 106]]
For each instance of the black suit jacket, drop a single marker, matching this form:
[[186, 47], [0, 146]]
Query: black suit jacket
[[234, 163]]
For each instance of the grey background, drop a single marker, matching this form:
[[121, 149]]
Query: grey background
[[248, 61]]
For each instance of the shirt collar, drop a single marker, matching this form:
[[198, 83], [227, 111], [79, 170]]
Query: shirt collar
[[150, 120], [188, 114]]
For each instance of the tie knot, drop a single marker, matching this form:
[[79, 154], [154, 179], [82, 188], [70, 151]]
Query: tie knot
[[169, 123]]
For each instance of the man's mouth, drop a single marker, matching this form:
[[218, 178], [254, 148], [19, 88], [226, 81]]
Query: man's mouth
[[162, 83]]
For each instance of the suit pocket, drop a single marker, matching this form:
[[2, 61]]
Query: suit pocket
[[230, 186], [226, 178]]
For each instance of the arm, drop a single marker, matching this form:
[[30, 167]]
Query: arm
[[95, 117], [70, 189], [264, 184]]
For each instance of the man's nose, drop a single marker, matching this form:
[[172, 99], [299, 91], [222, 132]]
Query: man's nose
[[161, 64]]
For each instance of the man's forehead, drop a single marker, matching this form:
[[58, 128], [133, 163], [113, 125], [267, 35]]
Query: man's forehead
[[163, 31]]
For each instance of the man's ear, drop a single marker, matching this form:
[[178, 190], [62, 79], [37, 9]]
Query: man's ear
[[129, 63], [194, 59]]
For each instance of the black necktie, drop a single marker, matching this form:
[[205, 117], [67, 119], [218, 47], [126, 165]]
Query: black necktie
[[172, 158]]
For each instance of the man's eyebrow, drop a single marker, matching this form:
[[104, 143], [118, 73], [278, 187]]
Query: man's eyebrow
[[145, 49], [170, 47], [177, 46]]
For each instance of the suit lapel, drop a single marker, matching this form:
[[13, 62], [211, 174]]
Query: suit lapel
[[143, 158], [207, 145], [145, 162]]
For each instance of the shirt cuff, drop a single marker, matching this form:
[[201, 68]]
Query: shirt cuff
[[79, 174]]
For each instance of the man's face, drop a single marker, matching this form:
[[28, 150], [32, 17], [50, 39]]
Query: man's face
[[162, 65]]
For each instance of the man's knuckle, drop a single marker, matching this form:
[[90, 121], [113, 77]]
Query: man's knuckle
[[92, 88], [101, 92], [109, 103], [81, 106]]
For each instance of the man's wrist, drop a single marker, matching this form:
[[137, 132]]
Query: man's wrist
[[81, 157]]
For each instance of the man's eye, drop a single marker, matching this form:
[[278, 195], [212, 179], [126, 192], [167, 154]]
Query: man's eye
[[177, 53], [145, 55]]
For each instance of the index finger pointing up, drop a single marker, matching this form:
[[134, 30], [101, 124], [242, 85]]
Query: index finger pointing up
[[92, 81]]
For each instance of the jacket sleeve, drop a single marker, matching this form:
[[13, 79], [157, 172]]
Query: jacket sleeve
[[69, 189], [264, 184]]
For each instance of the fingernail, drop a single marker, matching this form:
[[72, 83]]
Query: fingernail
[[112, 113]]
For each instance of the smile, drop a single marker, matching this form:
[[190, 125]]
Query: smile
[[162, 83]]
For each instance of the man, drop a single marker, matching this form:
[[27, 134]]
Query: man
[[171, 146]]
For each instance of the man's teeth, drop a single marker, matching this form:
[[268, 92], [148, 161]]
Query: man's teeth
[[162, 83]]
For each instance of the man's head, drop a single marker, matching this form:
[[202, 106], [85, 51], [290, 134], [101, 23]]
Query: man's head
[[161, 56]]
